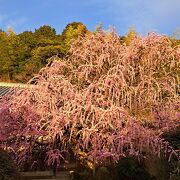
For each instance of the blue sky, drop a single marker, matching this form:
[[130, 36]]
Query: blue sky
[[161, 16]]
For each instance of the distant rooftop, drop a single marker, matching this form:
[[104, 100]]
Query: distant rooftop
[[7, 88], [5, 84]]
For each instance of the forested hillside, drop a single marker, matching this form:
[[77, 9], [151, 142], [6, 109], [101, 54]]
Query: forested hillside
[[23, 55]]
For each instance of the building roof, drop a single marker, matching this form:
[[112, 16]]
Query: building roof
[[7, 88]]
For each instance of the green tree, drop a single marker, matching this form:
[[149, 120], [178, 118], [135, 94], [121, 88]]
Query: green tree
[[14, 53], [1, 30], [130, 35], [28, 38], [71, 33], [42, 44], [5, 61], [42, 54], [24, 54], [174, 38], [19, 53], [45, 32]]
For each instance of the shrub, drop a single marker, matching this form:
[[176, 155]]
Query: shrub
[[131, 168], [106, 101], [8, 171]]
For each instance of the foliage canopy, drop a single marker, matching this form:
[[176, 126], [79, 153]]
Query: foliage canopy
[[105, 101]]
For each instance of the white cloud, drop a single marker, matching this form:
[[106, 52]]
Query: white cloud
[[11, 21], [16, 22], [3, 18], [145, 15]]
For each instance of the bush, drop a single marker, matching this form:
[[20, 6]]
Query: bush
[[104, 102], [8, 170], [131, 168], [173, 138]]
